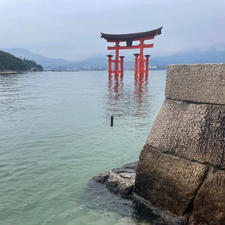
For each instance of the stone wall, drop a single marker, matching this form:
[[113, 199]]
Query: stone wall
[[181, 167]]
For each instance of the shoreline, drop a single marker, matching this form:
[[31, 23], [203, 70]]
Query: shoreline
[[17, 71], [10, 72]]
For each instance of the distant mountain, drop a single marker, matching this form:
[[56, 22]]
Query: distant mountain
[[10, 62], [100, 62], [47, 63], [196, 56]]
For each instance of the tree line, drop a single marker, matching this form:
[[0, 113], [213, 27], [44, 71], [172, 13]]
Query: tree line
[[10, 62]]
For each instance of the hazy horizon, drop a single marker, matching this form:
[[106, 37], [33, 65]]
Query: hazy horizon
[[71, 30]]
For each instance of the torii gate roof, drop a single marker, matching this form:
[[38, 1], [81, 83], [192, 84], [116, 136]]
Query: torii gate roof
[[131, 36]]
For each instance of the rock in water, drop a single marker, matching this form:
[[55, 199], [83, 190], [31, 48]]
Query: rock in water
[[121, 183], [120, 180]]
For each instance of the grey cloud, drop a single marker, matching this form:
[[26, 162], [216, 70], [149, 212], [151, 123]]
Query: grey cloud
[[71, 28]]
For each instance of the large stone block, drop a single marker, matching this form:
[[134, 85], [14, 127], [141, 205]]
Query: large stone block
[[167, 181], [204, 83], [192, 131], [209, 204]]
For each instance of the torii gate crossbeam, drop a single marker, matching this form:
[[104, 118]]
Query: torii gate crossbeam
[[141, 64]]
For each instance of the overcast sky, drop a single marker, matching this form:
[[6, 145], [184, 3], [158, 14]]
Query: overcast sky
[[71, 29]]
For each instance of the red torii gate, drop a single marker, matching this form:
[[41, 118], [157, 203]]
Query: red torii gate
[[141, 64]]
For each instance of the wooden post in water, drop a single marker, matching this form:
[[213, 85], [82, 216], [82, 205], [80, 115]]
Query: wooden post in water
[[111, 121]]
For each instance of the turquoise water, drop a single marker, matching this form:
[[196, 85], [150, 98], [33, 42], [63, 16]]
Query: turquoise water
[[55, 135]]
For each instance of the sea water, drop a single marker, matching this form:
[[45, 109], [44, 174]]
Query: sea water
[[55, 135]]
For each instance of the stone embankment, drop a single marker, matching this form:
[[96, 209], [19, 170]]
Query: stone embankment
[[182, 165]]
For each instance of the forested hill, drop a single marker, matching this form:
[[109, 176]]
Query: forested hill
[[10, 62]]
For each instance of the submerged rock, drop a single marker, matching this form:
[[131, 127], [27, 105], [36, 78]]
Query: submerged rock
[[119, 180]]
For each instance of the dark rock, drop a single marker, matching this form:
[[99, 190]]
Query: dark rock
[[209, 204], [121, 183], [167, 181], [161, 217], [102, 177], [119, 180]]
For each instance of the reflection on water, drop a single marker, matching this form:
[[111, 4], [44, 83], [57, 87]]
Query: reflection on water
[[141, 96], [129, 100], [115, 87], [141, 88]]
